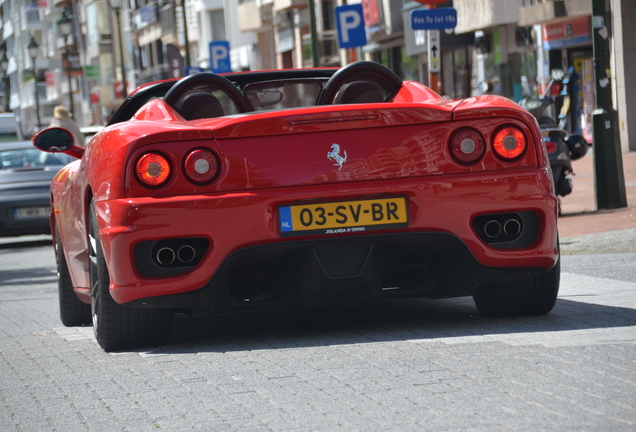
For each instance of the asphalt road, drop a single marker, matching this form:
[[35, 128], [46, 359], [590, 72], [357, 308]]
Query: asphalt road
[[391, 366]]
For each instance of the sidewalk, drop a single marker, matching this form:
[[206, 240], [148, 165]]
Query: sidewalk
[[580, 215]]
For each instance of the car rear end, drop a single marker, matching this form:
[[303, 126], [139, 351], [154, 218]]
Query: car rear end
[[286, 207], [25, 180]]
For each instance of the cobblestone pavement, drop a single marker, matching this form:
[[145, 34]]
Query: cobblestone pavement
[[391, 366]]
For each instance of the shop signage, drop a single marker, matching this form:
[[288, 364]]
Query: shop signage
[[73, 64], [191, 70], [433, 19], [148, 14], [371, 12], [92, 71], [175, 61], [566, 33], [49, 79], [118, 86]]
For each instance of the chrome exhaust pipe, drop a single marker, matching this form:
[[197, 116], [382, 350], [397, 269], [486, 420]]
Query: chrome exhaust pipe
[[186, 254], [512, 227], [492, 228], [165, 256]]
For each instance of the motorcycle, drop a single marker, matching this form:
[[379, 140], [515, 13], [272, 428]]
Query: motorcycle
[[563, 148]]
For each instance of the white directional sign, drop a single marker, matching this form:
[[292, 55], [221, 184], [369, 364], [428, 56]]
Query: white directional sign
[[434, 51]]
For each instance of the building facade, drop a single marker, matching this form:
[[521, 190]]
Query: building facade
[[505, 47]]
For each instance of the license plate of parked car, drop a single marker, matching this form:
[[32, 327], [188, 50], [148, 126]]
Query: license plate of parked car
[[31, 212], [343, 216]]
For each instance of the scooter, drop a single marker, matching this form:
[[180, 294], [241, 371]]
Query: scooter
[[562, 148]]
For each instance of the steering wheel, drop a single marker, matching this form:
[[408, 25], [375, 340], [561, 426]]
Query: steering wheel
[[185, 84], [362, 71]]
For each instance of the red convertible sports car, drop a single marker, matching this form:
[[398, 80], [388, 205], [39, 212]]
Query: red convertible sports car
[[280, 188]]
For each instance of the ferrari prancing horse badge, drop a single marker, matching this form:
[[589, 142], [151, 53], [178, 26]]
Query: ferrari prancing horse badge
[[334, 155]]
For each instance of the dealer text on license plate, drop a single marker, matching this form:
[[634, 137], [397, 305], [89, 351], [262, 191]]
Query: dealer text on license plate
[[31, 212], [343, 217]]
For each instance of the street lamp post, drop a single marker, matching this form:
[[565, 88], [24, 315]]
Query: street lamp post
[[65, 26], [115, 5], [33, 53], [4, 66]]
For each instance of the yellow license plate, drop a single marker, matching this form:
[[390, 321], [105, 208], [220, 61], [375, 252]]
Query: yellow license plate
[[343, 217]]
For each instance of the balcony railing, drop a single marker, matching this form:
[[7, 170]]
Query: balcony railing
[[31, 18], [168, 20], [27, 96]]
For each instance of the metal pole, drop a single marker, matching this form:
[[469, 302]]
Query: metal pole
[[185, 34], [433, 77], [68, 73], [7, 93], [37, 99], [315, 52], [121, 55], [609, 180]]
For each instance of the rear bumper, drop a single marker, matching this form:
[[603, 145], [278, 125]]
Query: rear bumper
[[10, 226], [440, 245], [433, 265]]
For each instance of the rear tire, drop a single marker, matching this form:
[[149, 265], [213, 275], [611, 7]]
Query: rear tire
[[119, 327], [72, 311], [535, 295]]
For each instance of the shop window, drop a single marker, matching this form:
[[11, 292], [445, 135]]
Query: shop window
[[217, 23]]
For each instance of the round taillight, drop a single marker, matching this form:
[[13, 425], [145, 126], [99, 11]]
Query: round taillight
[[509, 143], [467, 146], [550, 145], [153, 169], [201, 166]]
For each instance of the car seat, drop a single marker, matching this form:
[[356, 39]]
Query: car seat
[[200, 105], [359, 92]]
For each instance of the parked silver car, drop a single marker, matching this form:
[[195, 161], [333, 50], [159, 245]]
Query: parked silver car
[[25, 180]]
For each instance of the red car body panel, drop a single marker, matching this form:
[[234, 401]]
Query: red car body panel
[[275, 158], [144, 218]]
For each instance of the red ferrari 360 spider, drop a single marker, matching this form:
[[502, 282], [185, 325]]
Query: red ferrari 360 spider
[[279, 188]]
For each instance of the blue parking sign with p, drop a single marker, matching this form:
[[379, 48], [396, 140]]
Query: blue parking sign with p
[[350, 23], [220, 57]]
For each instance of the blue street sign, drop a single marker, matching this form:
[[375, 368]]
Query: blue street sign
[[191, 70], [350, 23], [220, 57], [433, 19]]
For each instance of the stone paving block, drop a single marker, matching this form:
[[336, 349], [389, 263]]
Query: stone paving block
[[401, 366], [68, 425]]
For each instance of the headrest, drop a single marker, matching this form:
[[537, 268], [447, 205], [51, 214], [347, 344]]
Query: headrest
[[359, 92], [200, 105]]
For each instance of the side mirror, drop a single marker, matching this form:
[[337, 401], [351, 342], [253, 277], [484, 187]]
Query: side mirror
[[57, 140]]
